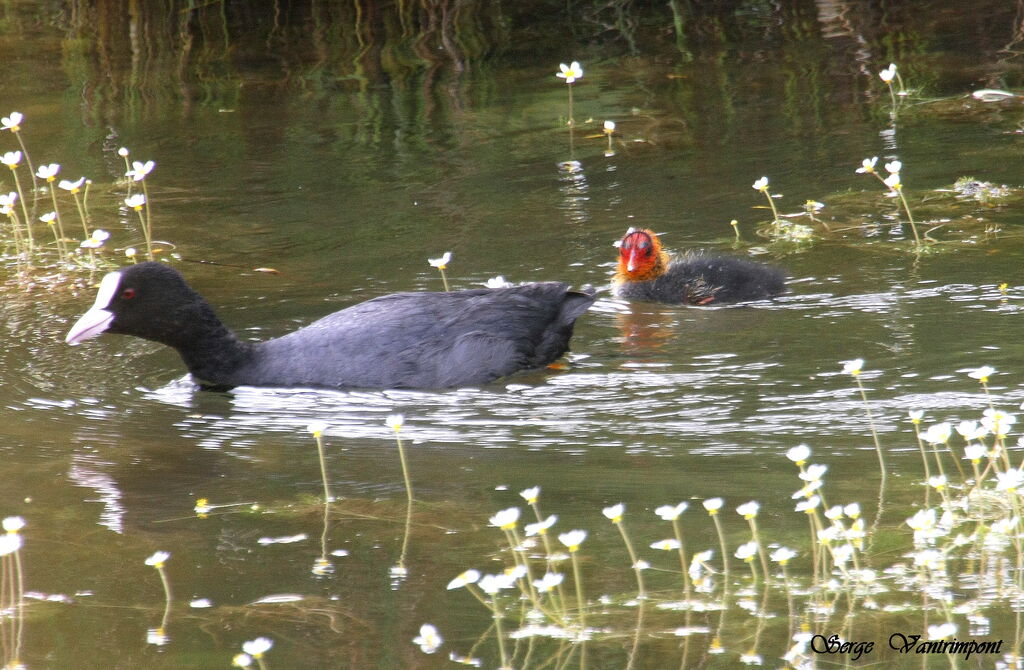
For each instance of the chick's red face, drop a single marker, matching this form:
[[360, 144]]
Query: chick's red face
[[636, 250]]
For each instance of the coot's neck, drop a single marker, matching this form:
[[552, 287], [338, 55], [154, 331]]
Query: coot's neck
[[210, 350]]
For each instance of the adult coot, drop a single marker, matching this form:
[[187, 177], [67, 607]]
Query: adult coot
[[403, 340], [647, 272]]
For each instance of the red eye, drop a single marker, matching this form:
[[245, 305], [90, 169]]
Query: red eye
[[128, 293]]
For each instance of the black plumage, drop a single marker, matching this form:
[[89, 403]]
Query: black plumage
[[403, 340]]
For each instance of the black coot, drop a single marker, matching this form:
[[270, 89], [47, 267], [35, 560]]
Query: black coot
[[403, 340]]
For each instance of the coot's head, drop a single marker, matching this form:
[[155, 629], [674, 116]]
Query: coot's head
[[640, 255], [149, 300]]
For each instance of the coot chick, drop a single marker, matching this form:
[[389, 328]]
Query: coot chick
[[647, 272], [403, 340]]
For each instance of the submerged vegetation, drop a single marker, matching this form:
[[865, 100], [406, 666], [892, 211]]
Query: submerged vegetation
[[947, 569]]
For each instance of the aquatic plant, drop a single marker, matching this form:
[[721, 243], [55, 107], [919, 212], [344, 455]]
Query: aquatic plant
[[895, 185], [395, 423], [253, 650], [442, 263], [570, 73], [778, 228], [614, 514], [888, 75], [609, 130], [12, 590], [158, 635], [976, 522], [28, 252]]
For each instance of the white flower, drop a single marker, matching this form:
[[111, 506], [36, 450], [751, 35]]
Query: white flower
[[997, 421], [842, 554], [123, 152], [530, 494], [970, 430], [48, 172], [157, 637], [573, 539], [748, 510], [549, 581], [7, 201], [671, 512], [924, 525], [799, 454], [893, 167], [893, 181], [1010, 480], [241, 660], [750, 658], [609, 127], [569, 73], [49, 217], [10, 543], [666, 545], [506, 518], [747, 551], [888, 73], [135, 201], [11, 159], [541, 527], [497, 282], [467, 577], [712, 505], [761, 184], [317, 428], [13, 524], [826, 535], [938, 433], [814, 472], [782, 555], [130, 252], [74, 186], [915, 415], [808, 490], [491, 584], [1005, 526], [867, 165], [395, 421], [441, 262], [808, 505], [834, 513], [140, 170], [941, 631], [96, 239], [158, 559], [614, 513], [982, 374], [937, 482], [853, 367], [974, 452], [256, 648], [12, 122], [852, 510], [429, 640]]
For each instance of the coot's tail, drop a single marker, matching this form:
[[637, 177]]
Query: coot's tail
[[555, 339]]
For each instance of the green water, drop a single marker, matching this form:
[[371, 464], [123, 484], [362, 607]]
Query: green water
[[343, 145]]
